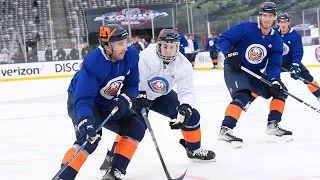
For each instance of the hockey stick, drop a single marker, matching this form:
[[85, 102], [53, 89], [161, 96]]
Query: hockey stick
[[114, 110], [269, 83], [302, 79], [145, 117]]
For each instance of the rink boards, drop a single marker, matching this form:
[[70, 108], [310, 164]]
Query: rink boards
[[66, 69]]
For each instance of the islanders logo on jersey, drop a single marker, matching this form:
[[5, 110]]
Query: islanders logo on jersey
[[255, 53], [112, 87], [317, 53], [286, 49], [158, 85]]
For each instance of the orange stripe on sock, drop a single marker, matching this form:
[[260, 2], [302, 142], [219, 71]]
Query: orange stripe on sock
[[312, 88], [118, 138], [192, 136], [77, 162], [254, 95], [126, 148], [233, 111], [215, 61], [192, 62], [277, 105]]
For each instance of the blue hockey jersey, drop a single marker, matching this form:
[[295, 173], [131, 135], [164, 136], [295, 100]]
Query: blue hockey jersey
[[212, 44], [99, 80], [255, 49], [292, 46]]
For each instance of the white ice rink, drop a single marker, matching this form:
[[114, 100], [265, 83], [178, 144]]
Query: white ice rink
[[36, 132]]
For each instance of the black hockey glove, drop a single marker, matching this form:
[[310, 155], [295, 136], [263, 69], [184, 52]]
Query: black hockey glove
[[124, 103], [141, 101], [184, 114], [86, 131], [233, 60], [295, 71], [276, 88]]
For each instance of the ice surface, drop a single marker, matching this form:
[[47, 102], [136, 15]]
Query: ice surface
[[36, 132]]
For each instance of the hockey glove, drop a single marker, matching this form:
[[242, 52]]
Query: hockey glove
[[233, 60], [124, 103], [276, 88], [87, 131], [295, 71], [184, 114], [141, 101]]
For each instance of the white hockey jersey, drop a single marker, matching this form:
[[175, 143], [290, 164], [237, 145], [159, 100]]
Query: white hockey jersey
[[158, 79]]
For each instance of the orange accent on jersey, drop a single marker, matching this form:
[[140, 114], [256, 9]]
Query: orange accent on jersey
[[126, 148], [106, 32], [277, 105], [254, 95], [192, 136], [312, 88], [233, 111], [118, 138], [77, 162], [80, 65]]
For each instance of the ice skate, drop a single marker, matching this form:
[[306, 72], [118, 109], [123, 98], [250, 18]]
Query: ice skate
[[276, 134], [226, 135], [199, 155]]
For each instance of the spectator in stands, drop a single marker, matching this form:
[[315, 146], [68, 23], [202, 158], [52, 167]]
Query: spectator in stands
[[31, 55], [136, 45], [17, 56], [183, 41], [35, 3], [85, 50], [74, 53], [141, 43], [48, 53], [145, 43], [36, 20], [61, 54], [153, 42]]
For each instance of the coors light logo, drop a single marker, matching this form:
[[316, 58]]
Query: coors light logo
[[138, 16]]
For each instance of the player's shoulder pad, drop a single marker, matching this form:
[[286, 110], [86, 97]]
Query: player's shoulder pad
[[94, 63], [131, 56], [295, 33]]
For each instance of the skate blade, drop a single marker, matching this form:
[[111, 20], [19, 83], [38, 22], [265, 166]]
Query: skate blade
[[278, 139], [202, 161], [234, 144], [102, 173]]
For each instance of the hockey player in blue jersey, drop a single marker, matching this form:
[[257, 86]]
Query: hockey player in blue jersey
[[109, 77], [183, 42], [212, 46], [254, 46], [293, 52]]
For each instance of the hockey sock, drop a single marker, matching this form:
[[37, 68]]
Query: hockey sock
[[72, 170], [315, 91], [123, 153], [116, 141], [276, 110], [192, 138], [232, 114]]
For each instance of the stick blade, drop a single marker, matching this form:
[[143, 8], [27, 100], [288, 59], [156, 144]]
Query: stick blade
[[181, 177]]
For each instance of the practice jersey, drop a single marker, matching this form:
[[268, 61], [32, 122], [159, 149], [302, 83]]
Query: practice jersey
[[158, 79], [254, 48], [100, 79], [292, 46], [212, 44]]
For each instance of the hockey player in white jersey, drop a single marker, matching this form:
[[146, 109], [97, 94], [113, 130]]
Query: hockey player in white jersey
[[160, 68]]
